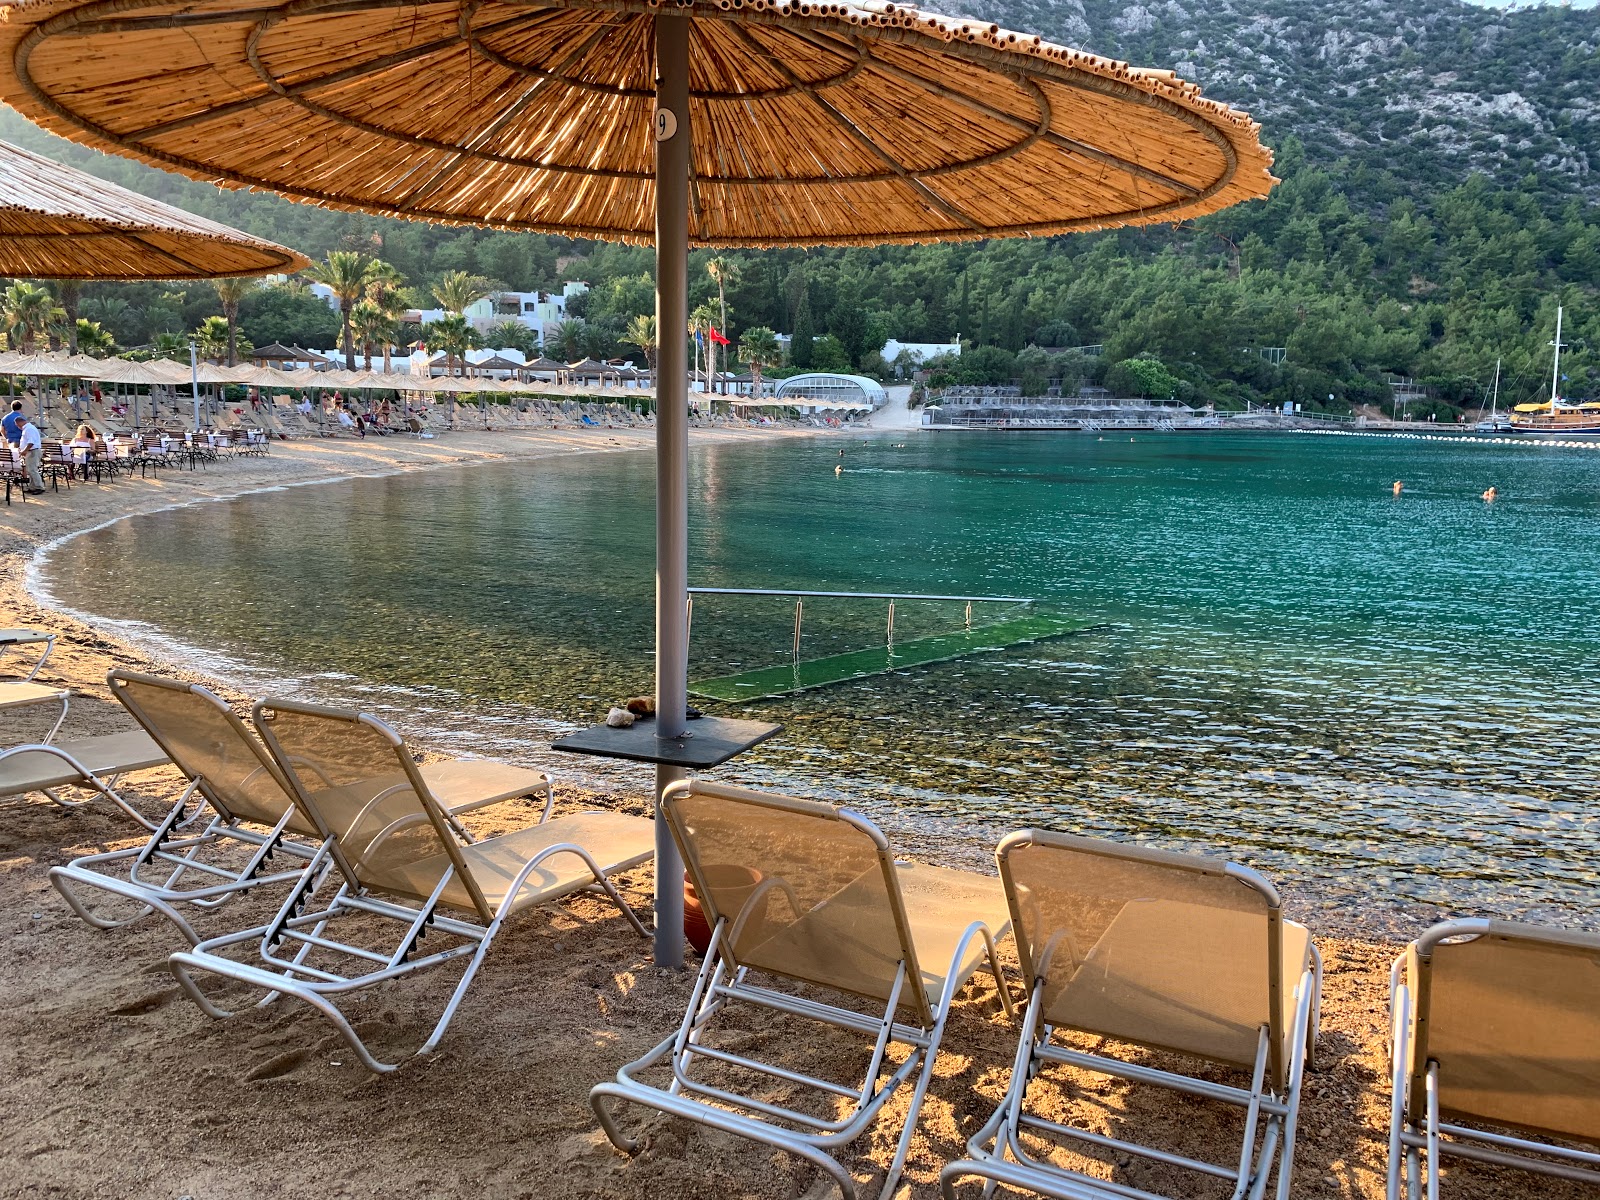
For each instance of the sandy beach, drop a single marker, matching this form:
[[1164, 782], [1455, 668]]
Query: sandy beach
[[113, 1084]]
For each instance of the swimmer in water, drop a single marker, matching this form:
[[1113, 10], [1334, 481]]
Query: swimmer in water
[[839, 469], [1399, 487], [1489, 496]]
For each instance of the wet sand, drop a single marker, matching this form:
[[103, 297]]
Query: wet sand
[[113, 1084]]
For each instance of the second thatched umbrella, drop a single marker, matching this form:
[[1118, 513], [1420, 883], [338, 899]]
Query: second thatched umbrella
[[60, 223], [717, 124]]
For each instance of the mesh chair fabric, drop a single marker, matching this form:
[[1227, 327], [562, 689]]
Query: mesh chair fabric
[[1513, 1024], [207, 743], [1149, 952], [804, 891], [360, 787]]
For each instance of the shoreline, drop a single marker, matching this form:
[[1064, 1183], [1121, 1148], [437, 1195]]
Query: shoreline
[[98, 1012]]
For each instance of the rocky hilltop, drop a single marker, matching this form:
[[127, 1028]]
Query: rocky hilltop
[[1429, 89]]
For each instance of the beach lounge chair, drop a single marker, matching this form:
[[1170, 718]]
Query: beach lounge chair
[[402, 862], [1495, 1023], [95, 763], [16, 694], [11, 639], [193, 864], [1162, 951], [807, 893]]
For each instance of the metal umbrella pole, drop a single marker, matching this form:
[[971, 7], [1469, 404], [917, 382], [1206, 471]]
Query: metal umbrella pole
[[672, 136], [194, 382]]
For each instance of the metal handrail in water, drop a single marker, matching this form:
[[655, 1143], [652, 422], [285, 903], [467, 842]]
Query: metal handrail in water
[[800, 596]]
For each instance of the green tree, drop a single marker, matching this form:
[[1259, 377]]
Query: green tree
[[802, 350], [641, 332], [212, 339], [347, 274], [457, 291], [512, 335], [759, 348], [29, 312], [1142, 376], [567, 338], [453, 334], [230, 294], [94, 340]]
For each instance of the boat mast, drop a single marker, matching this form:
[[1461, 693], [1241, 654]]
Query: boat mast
[[1555, 374], [1494, 400]]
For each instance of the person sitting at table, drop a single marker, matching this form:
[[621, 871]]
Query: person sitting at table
[[85, 436]]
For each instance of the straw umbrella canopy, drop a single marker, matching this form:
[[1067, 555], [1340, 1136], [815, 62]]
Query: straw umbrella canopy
[[59, 223], [696, 123]]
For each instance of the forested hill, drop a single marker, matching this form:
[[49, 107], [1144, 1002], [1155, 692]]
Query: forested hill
[[1422, 90], [1441, 167]]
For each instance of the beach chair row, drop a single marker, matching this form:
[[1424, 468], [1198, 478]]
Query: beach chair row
[[1495, 1024]]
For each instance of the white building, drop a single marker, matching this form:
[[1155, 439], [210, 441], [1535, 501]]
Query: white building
[[539, 311], [822, 391], [918, 352]]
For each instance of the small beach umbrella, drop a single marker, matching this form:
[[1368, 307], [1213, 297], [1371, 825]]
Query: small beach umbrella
[[694, 123]]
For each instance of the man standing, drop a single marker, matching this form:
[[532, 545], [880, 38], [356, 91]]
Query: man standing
[[12, 425], [32, 447]]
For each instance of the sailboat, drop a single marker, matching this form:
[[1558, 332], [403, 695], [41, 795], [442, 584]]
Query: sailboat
[[1555, 418], [1494, 422]]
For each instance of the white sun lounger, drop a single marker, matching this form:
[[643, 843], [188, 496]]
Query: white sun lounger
[[403, 864], [809, 893], [95, 763], [1496, 1024], [15, 694], [10, 639], [191, 864], [1165, 951]]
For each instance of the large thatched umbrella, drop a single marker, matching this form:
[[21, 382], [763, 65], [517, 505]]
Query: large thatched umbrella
[[59, 223], [735, 123]]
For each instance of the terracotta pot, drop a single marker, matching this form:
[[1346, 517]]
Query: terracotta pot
[[733, 884]]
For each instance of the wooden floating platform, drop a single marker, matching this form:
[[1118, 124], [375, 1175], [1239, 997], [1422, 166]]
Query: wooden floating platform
[[771, 682]]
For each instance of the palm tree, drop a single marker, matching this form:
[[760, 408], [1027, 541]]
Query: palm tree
[[94, 340], [456, 291], [386, 291], [724, 271], [230, 292], [759, 347], [568, 337], [70, 292], [455, 336], [701, 321], [641, 332], [372, 325], [170, 345], [28, 311], [213, 338], [346, 274]]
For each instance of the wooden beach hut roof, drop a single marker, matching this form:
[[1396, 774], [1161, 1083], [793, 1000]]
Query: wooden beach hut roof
[[274, 352], [60, 223], [855, 122], [543, 364], [496, 363]]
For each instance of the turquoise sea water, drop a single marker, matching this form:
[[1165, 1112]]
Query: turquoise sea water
[[1388, 704]]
